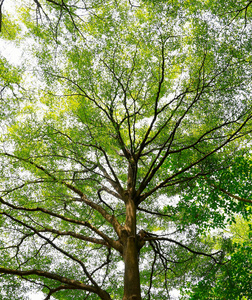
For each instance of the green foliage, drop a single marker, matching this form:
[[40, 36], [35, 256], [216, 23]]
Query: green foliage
[[232, 279], [148, 101], [10, 28]]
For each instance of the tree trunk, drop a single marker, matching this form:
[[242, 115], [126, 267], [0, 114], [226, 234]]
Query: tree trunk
[[131, 273], [132, 289]]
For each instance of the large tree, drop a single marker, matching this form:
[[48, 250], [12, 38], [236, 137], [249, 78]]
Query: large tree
[[125, 136]]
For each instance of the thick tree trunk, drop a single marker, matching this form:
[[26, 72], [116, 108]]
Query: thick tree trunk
[[131, 274], [132, 289]]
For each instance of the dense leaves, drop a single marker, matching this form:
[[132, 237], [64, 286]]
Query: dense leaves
[[125, 141], [232, 279]]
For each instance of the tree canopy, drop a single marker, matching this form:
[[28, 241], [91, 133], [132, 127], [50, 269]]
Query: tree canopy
[[125, 141]]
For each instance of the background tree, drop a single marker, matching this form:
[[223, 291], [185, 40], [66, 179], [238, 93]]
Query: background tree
[[120, 120], [231, 280]]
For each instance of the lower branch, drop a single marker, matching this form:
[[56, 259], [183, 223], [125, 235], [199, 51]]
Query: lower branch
[[59, 288], [71, 284], [152, 238]]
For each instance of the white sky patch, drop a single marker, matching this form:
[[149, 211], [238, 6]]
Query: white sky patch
[[38, 296], [11, 52]]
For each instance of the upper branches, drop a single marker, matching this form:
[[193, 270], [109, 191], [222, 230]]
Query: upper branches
[[219, 134], [166, 181]]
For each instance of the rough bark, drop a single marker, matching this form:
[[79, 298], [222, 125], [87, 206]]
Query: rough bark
[[132, 290], [131, 274]]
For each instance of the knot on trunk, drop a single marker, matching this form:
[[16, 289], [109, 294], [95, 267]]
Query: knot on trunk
[[140, 239]]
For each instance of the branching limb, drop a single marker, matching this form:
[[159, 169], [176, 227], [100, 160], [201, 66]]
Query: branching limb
[[115, 244], [238, 11], [232, 137], [104, 264], [160, 84], [66, 281], [109, 191], [152, 271], [77, 236], [99, 195], [153, 212], [156, 238], [59, 288], [109, 218], [228, 193], [65, 253], [115, 183]]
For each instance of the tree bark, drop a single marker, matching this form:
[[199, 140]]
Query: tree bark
[[132, 290]]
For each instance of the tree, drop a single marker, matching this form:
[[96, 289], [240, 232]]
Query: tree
[[231, 280], [120, 112]]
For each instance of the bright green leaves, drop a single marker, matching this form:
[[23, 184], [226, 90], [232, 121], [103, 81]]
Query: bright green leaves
[[10, 79], [232, 279], [211, 202], [238, 178], [9, 75], [10, 28]]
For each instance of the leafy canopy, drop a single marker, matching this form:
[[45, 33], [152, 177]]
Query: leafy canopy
[[119, 104]]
